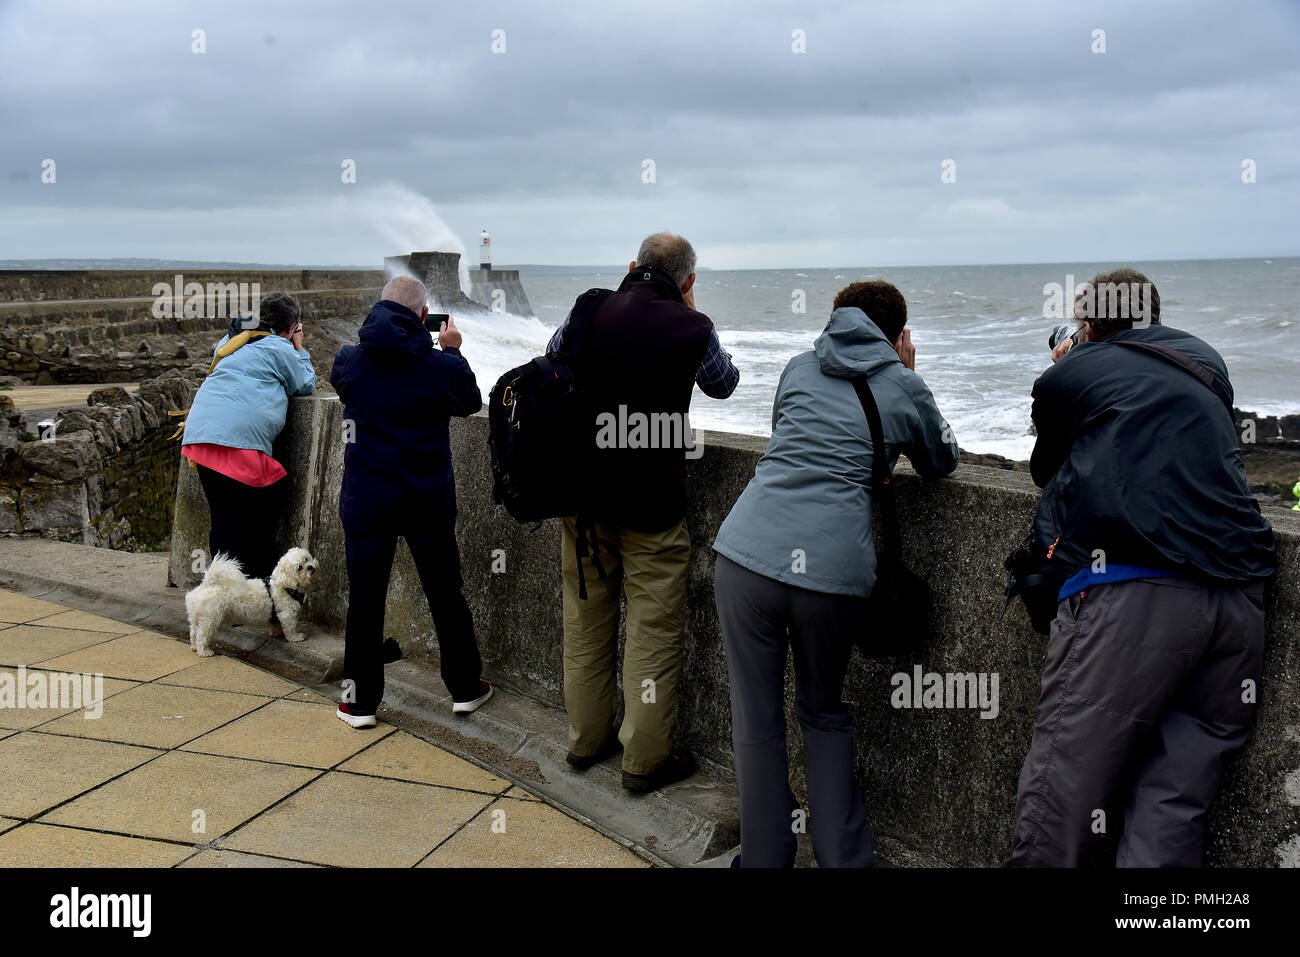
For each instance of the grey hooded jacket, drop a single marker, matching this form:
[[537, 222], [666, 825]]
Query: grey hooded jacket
[[805, 517]]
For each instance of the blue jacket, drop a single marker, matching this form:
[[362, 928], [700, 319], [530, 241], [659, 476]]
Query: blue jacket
[[399, 394], [805, 517], [242, 403]]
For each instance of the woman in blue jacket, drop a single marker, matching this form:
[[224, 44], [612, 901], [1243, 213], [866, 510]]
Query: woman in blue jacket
[[237, 413], [796, 564]]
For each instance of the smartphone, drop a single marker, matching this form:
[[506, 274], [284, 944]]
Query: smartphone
[[434, 320]]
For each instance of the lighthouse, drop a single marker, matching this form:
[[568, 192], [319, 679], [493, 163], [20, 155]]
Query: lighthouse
[[485, 251]]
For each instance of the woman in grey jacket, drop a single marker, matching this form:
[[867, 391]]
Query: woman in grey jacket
[[796, 564]]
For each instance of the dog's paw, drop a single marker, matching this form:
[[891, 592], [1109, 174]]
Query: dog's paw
[[205, 652], [300, 636]]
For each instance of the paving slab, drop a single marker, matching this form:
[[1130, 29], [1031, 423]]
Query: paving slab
[[41, 771], [142, 656], [16, 609], [350, 820], [25, 718], [290, 732], [404, 756], [220, 673], [29, 644], [42, 845], [159, 716], [529, 834], [183, 797], [216, 857], [85, 621]]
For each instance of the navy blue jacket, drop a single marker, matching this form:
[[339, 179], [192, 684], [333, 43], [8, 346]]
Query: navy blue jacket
[[1138, 459], [399, 394]]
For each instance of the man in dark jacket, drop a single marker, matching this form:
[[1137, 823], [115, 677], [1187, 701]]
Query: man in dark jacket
[[646, 350], [1158, 639], [399, 394]]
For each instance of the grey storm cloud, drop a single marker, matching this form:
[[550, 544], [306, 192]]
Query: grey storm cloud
[[762, 155]]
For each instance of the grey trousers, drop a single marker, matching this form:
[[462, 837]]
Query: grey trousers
[[1149, 687], [761, 618]]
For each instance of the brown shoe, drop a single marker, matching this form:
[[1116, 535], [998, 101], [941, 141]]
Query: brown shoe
[[679, 765], [580, 762]]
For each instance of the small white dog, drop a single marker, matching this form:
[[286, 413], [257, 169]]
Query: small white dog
[[225, 595]]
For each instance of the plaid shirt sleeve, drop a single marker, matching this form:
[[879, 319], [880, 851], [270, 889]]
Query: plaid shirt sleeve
[[717, 376]]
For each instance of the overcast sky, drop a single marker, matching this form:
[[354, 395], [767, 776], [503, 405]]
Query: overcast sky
[[763, 157]]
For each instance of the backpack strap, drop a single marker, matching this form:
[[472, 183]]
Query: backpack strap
[[882, 487], [573, 344], [1185, 362], [578, 329]]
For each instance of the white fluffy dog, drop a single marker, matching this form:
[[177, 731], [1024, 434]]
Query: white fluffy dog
[[225, 595]]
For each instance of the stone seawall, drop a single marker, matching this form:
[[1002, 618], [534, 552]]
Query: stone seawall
[[121, 340], [941, 781], [105, 475], [35, 285]]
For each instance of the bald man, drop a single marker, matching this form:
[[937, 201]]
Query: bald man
[[399, 394]]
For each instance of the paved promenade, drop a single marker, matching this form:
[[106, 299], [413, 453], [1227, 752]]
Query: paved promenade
[[182, 761]]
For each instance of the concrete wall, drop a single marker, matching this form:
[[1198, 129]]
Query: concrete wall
[[490, 285], [943, 782]]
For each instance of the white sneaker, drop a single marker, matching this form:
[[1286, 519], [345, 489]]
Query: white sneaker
[[355, 720], [467, 707]]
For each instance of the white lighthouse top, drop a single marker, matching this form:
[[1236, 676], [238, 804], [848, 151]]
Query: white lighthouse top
[[485, 251]]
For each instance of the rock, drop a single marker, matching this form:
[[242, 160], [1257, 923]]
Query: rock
[[10, 381], [111, 395], [43, 507], [44, 378], [8, 509], [61, 459]]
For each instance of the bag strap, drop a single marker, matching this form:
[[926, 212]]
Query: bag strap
[[578, 328], [1185, 362], [882, 486]]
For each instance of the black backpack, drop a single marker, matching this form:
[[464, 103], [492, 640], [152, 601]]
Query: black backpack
[[541, 427]]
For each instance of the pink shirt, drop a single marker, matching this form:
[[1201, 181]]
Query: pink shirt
[[249, 466]]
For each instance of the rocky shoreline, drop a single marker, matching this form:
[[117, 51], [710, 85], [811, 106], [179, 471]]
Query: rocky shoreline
[[1272, 460]]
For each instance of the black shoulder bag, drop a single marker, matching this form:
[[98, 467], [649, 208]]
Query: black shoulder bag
[[897, 621]]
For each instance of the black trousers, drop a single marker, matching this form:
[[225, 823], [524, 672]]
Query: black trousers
[[371, 546], [244, 520], [1143, 700], [761, 618]]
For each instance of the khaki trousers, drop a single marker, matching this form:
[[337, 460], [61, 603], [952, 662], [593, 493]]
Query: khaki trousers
[[651, 568]]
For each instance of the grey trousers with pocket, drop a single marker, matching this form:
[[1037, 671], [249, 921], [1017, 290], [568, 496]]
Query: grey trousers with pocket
[[1149, 687], [761, 619]]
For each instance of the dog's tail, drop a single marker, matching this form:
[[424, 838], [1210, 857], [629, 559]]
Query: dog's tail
[[224, 571]]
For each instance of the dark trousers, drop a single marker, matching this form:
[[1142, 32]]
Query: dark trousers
[[1142, 702], [244, 520], [760, 619], [370, 549]]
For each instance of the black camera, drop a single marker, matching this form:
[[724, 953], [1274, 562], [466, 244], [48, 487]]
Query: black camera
[[1063, 332]]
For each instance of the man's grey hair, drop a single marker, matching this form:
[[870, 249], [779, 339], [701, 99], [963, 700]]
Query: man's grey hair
[[408, 292], [667, 253]]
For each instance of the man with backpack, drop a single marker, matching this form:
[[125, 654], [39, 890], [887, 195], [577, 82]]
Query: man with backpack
[[643, 350], [1159, 550], [399, 394]]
